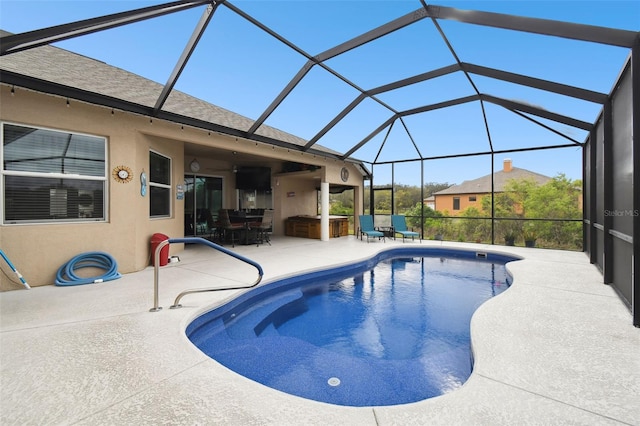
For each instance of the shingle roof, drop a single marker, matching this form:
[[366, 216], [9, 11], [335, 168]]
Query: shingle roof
[[483, 184], [70, 69]]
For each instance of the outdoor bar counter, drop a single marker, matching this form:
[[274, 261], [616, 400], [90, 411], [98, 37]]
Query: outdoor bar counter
[[309, 226]]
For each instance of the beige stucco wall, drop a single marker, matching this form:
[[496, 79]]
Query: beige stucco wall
[[294, 195], [38, 251]]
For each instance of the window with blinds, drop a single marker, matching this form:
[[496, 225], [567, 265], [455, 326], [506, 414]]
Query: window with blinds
[[52, 176], [159, 185]]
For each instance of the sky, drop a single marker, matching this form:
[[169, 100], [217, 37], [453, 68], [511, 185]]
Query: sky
[[241, 68]]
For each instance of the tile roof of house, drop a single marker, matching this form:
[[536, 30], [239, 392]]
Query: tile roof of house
[[483, 184], [70, 69]]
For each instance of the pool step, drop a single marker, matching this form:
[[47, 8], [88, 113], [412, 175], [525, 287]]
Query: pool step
[[256, 320], [269, 330]]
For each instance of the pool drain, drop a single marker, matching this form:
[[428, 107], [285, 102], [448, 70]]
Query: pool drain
[[333, 381]]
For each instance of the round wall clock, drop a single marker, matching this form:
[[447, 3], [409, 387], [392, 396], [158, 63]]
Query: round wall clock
[[344, 174], [122, 174], [194, 166]]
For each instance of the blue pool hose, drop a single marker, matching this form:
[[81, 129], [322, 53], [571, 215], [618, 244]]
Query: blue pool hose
[[92, 259]]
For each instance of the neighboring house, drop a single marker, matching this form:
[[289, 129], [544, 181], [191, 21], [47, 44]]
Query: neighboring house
[[82, 176], [430, 202], [469, 193]]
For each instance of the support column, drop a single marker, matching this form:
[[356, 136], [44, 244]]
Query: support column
[[593, 191], [493, 200], [324, 211], [635, 101], [607, 187]]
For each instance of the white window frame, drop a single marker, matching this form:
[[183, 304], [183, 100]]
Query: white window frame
[[168, 186], [4, 173]]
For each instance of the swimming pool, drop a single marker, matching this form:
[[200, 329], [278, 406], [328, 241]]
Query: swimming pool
[[390, 330]]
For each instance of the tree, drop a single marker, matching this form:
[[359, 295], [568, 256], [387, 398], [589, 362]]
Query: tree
[[432, 187], [557, 199], [510, 204], [432, 224], [474, 229], [405, 197], [342, 203], [522, 199]]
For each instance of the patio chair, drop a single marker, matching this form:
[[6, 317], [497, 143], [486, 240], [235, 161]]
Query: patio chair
[[264, 227], [366, 228], [227, 228], [211, 226], [399, 225]]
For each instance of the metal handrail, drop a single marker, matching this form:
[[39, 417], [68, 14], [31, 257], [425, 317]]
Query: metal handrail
[[194, 240]]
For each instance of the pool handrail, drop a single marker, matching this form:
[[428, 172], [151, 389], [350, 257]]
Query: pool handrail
[[196, 240]]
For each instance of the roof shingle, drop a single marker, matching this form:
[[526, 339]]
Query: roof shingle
[[482, 184]]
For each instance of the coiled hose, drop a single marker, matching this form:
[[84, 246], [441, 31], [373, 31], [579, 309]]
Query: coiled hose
[[92, 259]]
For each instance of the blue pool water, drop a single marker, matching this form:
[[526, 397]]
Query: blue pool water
[[390, 330]]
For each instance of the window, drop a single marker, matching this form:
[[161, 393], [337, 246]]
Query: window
[[456, 203], [159, 185], [472, 198], [52, 176]]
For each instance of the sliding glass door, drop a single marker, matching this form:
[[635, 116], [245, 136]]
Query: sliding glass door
[[202, 200]]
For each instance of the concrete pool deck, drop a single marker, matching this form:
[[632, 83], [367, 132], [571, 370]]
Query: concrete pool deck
[[557, 348]]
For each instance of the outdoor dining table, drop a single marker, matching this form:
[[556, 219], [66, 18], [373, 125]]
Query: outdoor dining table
[[246, 220]]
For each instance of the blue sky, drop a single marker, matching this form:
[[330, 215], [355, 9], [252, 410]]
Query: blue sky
[[241, 68]]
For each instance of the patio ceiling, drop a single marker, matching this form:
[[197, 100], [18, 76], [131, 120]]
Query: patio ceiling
[[378, 104]]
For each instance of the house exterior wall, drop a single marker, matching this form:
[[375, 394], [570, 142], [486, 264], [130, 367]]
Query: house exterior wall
[[445, 202], [38, 250]]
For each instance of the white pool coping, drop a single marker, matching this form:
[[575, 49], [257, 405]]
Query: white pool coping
[[557, 348]]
